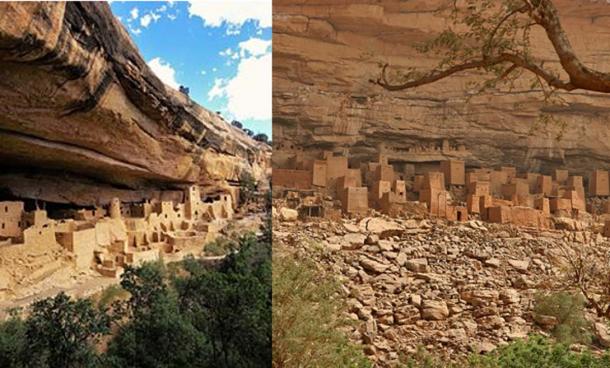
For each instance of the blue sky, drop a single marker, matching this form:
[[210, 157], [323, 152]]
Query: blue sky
[[219, 49]]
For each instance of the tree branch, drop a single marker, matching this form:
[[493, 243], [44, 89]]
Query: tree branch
[[523, 9], [436, 75], [543, 13]]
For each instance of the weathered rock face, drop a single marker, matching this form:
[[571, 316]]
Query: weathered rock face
[[325, 52], [76, 97]]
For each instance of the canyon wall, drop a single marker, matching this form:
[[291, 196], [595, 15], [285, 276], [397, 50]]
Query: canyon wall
[[325, 52], [80, 108]]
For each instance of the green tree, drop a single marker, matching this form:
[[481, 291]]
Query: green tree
[[61, 332], [13, 342], [232, 305], [158, 336], [145, 285], [156, 326]]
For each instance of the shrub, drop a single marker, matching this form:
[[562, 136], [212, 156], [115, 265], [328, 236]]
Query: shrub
[[220, 246], [261, 137], [111, 294], [541, 352], [569, 311], [535, 351], [247, 187], [306, 319]]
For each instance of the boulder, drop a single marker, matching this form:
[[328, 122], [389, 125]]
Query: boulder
[[288, 214], [419, 265], [434, 310], [602, 334], [373, 266]]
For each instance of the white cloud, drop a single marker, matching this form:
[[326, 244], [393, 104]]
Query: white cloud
[[135, 31], [134, 13], [228, 52], [164, 71], [232, 13], [147, 18], [249, 92], [254, 46], [217, 89], [172, 17]]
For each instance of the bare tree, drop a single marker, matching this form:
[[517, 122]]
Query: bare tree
[[495, 36], [588, 270]]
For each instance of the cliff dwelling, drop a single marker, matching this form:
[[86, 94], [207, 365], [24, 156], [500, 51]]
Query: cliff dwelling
[[103, 240], [103, 165]]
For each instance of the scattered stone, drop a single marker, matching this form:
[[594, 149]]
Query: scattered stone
[[602, 334], [493, 262], [484, 347], [401, 259], [518, 265], [353, 241], [372, 265], [545, 321], [351, 228], [379, 226], [461, 288], [434, 310], [419, 265], [288, 214]]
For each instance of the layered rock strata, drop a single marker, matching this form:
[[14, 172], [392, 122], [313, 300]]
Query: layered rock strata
[[325, 52], [77, 99]]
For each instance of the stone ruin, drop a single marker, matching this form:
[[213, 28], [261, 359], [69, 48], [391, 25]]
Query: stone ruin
[[445, 189], [105, 240]]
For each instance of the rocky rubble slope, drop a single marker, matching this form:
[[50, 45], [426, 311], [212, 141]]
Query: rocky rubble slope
[[451, 288], [326, 51], [77, 99]]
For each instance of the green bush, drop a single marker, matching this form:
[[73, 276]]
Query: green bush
[[539, 352], [306, 319], [247, 188], [533, 352], [220, 246], [423, 359], [569, 311], [111, 294]]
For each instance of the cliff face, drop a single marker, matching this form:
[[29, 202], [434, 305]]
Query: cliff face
[[326, 51], [77, 101]]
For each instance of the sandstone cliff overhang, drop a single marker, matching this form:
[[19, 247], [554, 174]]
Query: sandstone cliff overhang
[[77, 98]]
